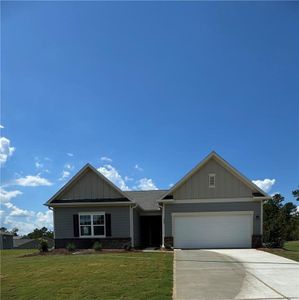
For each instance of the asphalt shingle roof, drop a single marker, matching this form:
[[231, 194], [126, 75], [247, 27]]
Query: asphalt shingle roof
[[147, 200]]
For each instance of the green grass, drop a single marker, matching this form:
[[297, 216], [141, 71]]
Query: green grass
[[290, 250], [95, 276]]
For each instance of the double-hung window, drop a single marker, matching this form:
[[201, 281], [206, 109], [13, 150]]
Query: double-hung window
[[92, 224]]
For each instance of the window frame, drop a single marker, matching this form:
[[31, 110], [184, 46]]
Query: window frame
[[212, 175], [91, 214]]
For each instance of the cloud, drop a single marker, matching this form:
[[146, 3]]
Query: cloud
[[137, 167], [44, 219], [39, 165], [127, 178], [171, 185], [6, 196], [69, 166], [18, 212], [265, 184], [65, 174], [106, 159], [70, 154], [31, 180], [113, 175], [146, 184], [5, 149], [1, 126]]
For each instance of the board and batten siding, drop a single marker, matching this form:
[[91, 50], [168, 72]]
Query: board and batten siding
[[254, 206], [90, 186], [227, 185], [63, 220]]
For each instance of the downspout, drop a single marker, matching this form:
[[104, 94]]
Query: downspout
[[163, 223], [132, 225]]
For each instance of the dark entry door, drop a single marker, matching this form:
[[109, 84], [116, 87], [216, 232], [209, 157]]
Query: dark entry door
[[151, 231]]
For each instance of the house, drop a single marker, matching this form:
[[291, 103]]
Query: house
[[213, 206], [23, 243], [6, 240]]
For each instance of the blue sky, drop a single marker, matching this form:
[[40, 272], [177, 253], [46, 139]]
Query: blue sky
[[153, 87]]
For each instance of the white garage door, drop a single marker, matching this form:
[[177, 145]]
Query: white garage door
[[212, 230]]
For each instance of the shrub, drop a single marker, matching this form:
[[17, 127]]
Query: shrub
[[43, 245], [128, 247], [97, 246], [71, 247]]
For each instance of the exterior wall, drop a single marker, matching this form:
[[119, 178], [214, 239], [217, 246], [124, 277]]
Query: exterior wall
[[63, 220], [213, 207], [6, 241], [227, 185], [90, 186]]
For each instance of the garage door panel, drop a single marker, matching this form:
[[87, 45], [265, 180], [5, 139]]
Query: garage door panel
[[213, 231]]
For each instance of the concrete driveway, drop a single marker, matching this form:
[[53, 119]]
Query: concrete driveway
[[234, 274]]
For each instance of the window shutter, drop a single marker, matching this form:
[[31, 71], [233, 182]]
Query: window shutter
[[108, 224], [76, 225]]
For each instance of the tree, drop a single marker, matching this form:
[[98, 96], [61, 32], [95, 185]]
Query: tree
[[280, 221], [14, 231], [296, 194], [3, 229], [39, 233]]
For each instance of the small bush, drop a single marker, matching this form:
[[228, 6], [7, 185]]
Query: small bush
[[128, 247], [97, 246], [43, 245], [71, 247]]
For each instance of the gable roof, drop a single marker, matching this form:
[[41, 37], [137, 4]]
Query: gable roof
[[77, 177], [147, 200], [226, 165]]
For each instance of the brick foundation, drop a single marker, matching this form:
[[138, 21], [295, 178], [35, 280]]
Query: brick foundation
[[87, 243], [168, 241]]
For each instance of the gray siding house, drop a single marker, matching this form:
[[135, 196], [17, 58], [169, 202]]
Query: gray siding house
[[213, 206]]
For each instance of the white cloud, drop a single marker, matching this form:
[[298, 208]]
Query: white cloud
[[127, 178], [1, 126], [44, 219], [146, 184], [70, 154], [113, 175], [31, 180], [5, 149], [69, 166], [6, 196], [39, 165], [137, 167], [265, 184], [171, 185], [106, 159], [18, 212], [65, 174]]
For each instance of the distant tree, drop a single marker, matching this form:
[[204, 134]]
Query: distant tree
[[39, 233], [296, 194], [14, 231], [280, 221], [3, 229]]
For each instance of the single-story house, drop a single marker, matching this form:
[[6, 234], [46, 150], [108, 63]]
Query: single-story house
[[24, 243], [6, 240], [212, 206]]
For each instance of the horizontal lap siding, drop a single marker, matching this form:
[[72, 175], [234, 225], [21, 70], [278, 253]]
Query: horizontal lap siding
[[63, 220], [213, 207]]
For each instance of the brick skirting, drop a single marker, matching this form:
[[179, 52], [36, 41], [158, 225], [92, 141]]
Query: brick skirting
[[168, 241], [87, 243], [256, 241]]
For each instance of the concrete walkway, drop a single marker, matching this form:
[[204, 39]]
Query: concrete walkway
[[234, 274]]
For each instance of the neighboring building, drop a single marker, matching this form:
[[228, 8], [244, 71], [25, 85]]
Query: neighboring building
[[6, 240], [213, 206], [23, 243]]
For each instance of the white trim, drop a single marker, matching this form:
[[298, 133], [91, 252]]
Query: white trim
[[212, 175], [163, 224], [93, 204], [225, 164], [214, 200], [262, 217], [98, 213]]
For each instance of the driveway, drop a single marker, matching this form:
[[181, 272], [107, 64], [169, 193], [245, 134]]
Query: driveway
[[234, 274]]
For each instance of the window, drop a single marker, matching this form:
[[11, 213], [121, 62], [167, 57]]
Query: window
[[212, 180], [92, 224]]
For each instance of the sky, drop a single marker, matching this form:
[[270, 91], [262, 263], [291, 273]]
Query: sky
[[144, 91]]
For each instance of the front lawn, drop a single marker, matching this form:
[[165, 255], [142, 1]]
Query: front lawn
[[290, 250], [128, 275]]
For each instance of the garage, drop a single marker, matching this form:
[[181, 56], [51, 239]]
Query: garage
[[212, 229]]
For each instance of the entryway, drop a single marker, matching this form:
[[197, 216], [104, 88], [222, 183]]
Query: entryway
[[151, 231]]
